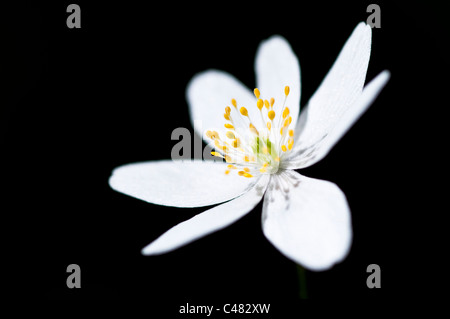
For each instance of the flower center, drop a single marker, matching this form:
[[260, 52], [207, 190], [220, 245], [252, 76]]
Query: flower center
[[248, 150]]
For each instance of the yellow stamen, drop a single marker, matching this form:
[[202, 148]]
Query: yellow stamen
[[228, 159], [271, 115], [216, 154], [241, 173], [269, 125], [226, 116], [229, 126], [290, 143], [231, 166], [230, 135], [283, 148], [291, 133], [257, 93], [260, 104], [224, 149], [243, 111], [228, 110], [266, 104], [236, 143], [285, 112], [253, 129], [286, 90], [272, 101], [248, 175], [233, 102], [288, 121], [212, 135], [246, 169], [227, 172]]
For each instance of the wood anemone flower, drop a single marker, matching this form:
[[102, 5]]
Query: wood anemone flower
[[263, 138]]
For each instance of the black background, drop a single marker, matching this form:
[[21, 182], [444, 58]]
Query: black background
[[77, 103]]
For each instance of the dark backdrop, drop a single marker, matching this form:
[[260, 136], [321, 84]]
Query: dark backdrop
[[79, 102]]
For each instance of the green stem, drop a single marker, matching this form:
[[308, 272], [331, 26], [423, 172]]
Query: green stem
[[302, 291]]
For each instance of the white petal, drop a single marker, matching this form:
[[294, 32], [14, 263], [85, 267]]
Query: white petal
[[361, 105], [276, 66], [179, 184], [339, 90], [309, 221], [303, 158], [209, 221], [209, 92]]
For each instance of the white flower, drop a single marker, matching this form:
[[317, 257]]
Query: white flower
[[262, 139]]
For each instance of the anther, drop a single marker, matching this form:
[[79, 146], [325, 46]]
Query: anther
[[260, 104], [220, 147], [253, 129], [229, 126], [271, 115], [288, 121], [233, 102], [257, 93], [285, 112], [230, 135], [243, 111], [212, 135], [290, 143], [286, 90]]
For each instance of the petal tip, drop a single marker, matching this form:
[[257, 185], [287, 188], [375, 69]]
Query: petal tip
[[150, 250], [275, 40], [145, 251], [386, 74], [362, 25]]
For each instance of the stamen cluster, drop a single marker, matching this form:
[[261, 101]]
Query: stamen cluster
[[251, 151]]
